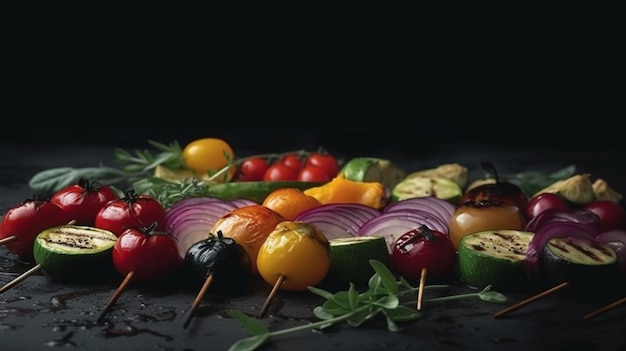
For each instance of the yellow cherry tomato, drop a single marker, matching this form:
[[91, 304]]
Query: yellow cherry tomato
[[208, 156], [477, 216], [298, 251]]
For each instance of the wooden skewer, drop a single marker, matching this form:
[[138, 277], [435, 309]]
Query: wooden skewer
[[11, 238], [270, 297], [116, 295], [420, 293], [604, 309], [23, 276], [196, 302], [530, 300], [8, 239]]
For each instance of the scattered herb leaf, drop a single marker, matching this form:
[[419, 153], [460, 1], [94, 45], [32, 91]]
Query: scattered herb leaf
[[383, 296]]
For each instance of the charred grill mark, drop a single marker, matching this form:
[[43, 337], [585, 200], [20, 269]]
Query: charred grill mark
[[505, 245], [514, 246], [478, 247], [83, 244], [593, 250], [77, 239]]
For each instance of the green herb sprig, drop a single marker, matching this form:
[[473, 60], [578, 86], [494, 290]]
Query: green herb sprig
[[133, 167], [139, 167], [384, 296]]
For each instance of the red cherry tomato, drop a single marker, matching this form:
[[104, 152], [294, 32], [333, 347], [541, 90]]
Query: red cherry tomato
[[612, 215], [292, 161], [313, 174], [131, 211], [544, 201], [84, 200], [325, 161], [151, 255], [252, 169], [423, 248], [23, 222], [279, 171]]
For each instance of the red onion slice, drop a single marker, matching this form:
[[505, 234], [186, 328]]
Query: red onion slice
[[559, 215], [544, 234], [393, 224], [191, 220], [435, 205], [338, 220]]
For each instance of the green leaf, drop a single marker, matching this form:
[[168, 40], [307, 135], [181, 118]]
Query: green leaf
[[387, 302], [374, 283], [360, 316], [403, 314], [533, 181], [253, 326], [249, 344], [492, 296], [321, 313], [161, 159], [49, 181], [392, 326], [321, 292], [387, 278], [334, 308], [353, 297], [341, 298]]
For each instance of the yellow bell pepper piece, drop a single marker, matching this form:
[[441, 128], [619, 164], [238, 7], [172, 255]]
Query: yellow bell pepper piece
[[341, 190]]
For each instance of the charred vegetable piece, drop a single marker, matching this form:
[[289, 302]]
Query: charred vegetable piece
[[221, 257], [71, 253], [494, 257], [589, 265]]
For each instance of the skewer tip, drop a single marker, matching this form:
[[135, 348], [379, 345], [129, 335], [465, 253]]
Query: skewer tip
[[270, 297], [197, 300]]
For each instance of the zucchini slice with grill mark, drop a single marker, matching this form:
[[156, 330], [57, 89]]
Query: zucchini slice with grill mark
[[590, 266], [496, 258], [72, 253]]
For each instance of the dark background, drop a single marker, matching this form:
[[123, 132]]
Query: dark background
[[565, 93], [522, 100]]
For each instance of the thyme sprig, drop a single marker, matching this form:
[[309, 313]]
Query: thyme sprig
[[384, 296]]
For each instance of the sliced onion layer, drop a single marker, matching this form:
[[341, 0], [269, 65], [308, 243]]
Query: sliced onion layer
[[338, 220], [433, 204], [559, 215], [190, 220], [392, 225]]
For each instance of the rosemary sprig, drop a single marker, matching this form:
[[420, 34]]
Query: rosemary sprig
[[143, 161]]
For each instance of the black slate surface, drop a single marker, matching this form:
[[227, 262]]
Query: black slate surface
[[38, 314]]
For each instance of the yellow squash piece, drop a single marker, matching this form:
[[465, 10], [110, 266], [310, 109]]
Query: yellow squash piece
[[603, 191], [577, 189], [342, 190], [452, 171], [176, 175]]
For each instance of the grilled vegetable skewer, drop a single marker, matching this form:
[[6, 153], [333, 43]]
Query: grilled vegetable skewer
[[294, 256], [143, 255], [71, 253], [220, 263]]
